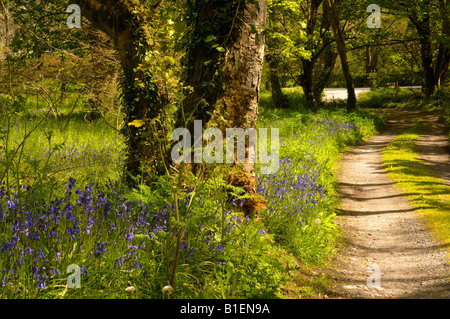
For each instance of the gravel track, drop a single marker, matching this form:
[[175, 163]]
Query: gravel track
[[381, 230]]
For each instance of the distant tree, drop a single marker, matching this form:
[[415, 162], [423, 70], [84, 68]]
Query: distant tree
[[300, 47], [318, 67], [43, 47], [276, 29], [340, 43], [421, 17], [430, 18]]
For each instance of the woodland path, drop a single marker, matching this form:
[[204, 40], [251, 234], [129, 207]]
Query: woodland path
[[381, 228]]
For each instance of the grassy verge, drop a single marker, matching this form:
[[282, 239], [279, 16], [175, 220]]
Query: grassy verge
[[428, 194]]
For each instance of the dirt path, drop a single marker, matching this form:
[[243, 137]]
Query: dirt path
[[433, 146], [381, 230]]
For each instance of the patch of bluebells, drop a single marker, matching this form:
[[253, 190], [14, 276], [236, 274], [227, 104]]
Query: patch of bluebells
[[34, 235], [37, 236], [215, 231], [290, 197], [294, 192], [71, 157], [332, 126]]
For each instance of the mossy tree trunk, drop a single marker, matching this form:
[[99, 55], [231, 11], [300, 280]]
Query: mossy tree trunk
[[223, 66], [124, 21]]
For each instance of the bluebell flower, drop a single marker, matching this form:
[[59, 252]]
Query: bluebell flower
[[71, 184], [262, 231]]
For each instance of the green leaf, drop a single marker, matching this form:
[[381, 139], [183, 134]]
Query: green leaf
[[210, 38], [136, 123]]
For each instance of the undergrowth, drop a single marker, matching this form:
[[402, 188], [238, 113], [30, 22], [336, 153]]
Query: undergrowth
[[177, 238]]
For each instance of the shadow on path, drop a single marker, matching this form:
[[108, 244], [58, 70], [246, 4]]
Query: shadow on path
[[380, 228]]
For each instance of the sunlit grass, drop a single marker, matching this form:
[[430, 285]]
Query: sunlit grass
[[52, 151], [426, 192]]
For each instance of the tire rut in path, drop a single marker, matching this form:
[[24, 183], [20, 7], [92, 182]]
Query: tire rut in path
[[381, 228]]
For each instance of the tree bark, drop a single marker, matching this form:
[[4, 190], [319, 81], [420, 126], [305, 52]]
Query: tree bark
[[280, 100], [329, 61], [443, 59], [226, 84], [422, 26], [340, 43], [306, 80], [371, 60], [434, 74], [307, 76], [6, 44]]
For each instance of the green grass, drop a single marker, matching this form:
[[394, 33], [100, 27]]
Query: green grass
[[294, 95], [47, 150], [386, 98], [428, 194]]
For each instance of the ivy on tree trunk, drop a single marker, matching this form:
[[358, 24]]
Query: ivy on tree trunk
[[125, 22]]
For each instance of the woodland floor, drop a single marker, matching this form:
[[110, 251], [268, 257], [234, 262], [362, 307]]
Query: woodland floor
[[379, 225]]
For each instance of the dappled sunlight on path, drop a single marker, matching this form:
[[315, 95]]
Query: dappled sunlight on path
[[382, 229]]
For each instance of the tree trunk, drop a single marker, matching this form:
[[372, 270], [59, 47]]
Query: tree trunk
[[306, 80], [329, 56], [442, 65], [6, 48], [443, 59], [340, 43], [426, 50], [307, 76], [280, 100], [423, 27], [329, 61], [225, 73], [371, 60], [124, 22]]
